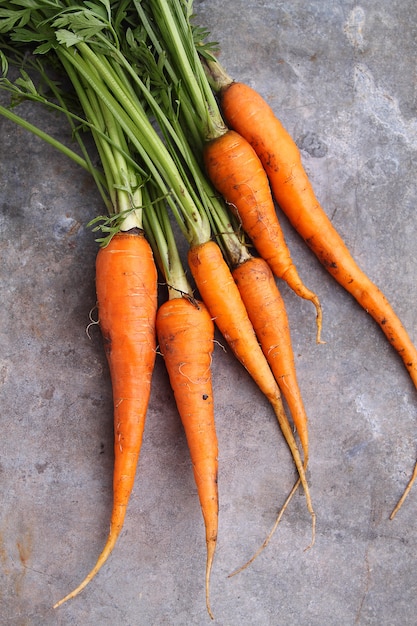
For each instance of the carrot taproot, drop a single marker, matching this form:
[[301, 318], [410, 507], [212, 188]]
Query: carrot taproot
[[250, 115], [185, 334], [271, 532], [237, 173], [222, 298], [126, 285], [266, 310]]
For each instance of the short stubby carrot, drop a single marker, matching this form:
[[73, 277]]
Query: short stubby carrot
[[249, 114], [237, 173], [126, 285], [267, 312], [222, 298], [185, 333]]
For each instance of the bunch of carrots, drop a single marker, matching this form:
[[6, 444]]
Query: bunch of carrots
[[179, 141]]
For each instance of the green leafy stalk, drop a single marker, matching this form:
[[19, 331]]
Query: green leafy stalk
[[170, 31], [170, 64], [130, 116], [81, 36], [160, 234], [35, 130]]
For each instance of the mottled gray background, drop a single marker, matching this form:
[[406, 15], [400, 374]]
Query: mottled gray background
[[343, 79]]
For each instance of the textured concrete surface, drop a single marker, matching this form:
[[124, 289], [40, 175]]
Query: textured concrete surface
[[342, 77]]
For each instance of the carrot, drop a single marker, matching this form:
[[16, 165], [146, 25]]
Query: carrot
[[248, 113], [126, 285], [185, 333], [237, 173], [221, 296], [266, 310]]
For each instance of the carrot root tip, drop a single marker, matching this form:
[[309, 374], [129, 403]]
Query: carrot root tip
[[405, 494]]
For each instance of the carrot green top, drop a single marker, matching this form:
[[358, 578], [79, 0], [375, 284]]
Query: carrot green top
[[144, 95], [85, 39]]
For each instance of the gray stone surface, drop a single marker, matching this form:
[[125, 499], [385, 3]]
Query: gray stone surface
[[342, 77]]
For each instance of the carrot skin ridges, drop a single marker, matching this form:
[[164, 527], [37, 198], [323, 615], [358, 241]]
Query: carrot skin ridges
[[247, 112], [237, 173], [185, 333], [222, 298], [266, 310], [126, 285]]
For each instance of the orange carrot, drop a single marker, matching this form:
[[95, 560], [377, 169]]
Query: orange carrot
[[237, 173], [248, 113], [221, 296], [126, 284], [266, 310], [185, 333]]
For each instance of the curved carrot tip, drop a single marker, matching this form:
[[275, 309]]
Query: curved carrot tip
[[319, 315], [291, 277], [111, 541], [76, 591], [211, 547], [313, 532], [405, 494], [319, 320], [271, 532], [289, 437]]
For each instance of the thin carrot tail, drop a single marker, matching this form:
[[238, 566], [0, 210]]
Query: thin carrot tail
[[107, 550], [405, 494], [271, 532], [301, 468], [293, 280], [211, 548]]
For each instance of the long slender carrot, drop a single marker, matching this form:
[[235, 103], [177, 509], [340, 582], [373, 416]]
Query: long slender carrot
[[185, 333], [221, 296], [252, 117], [266, 310], [237, 173], [126, 284], [248, 113]]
